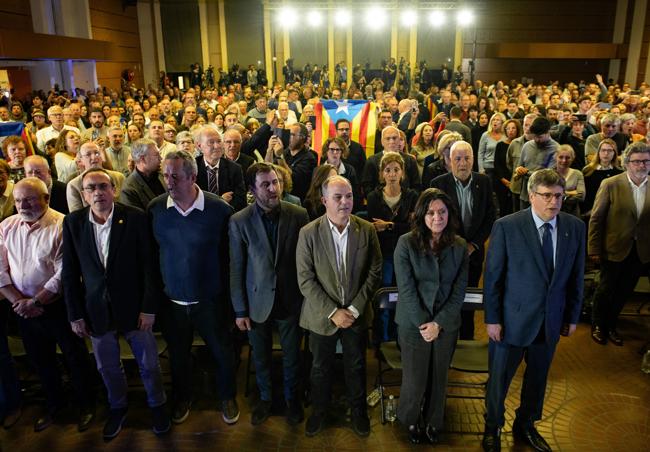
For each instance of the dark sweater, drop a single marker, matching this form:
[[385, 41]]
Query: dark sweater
[[193, 249]]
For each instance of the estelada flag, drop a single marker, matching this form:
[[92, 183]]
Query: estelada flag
[[16, 128], [360, 113]]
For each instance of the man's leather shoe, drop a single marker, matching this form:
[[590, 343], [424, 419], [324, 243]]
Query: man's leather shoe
[[43, 422], [598, 335], [85, 418], [615, 338], [431, 434], [261, 412], [415, 434], [492, 441], [314, 424], [527, 433], [114, 422], [361, 424], [295, 412]]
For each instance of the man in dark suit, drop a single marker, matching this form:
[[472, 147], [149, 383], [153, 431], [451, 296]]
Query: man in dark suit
[[264, 287], [37, 166], [455, 124], [339, 269], [112, 286], [145, 182], [300, 160], [232, 141], [532, 293], [471, 192], [216, 174]]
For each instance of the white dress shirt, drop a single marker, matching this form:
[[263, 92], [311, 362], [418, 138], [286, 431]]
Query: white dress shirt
[[102, 235]]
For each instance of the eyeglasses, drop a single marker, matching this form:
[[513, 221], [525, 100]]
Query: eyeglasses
[[343, 130], [639, 162], [90, 188], [335, 150], [91, 154], [549, 196]]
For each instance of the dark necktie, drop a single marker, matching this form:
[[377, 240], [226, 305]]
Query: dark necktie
[[547, 248], [213, 184]]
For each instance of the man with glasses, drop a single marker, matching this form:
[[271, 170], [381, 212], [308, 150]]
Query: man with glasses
[[112, 286], [356, 155], [55, 115], [532, 294], [619, 240], [91, 158]]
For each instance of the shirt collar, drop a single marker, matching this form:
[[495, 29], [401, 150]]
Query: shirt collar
[[108, 221], [335, 228], [539, 222], [208, 166], [199, 202], [645, 181], [460, 183]]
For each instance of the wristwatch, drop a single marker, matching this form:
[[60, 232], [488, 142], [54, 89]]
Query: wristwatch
[[37, 302]]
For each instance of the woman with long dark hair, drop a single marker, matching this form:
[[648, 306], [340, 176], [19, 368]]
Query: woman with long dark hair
[[431, 265]]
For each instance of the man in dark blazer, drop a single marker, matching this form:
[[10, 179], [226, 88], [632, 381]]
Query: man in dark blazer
[[145, 182], [264, 287], [216, 174], [532, 294], [339, 269], [471, 192], [37, 166], [112, 286], [232, 141]]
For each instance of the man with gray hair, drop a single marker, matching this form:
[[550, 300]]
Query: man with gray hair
[[37, 166], [146, 181], [194, 269], [232, 140], [609, 128], [338, 259], [117, 152], [55, 115], [185, 142], [619, 240], [30, 279], [532, 294]]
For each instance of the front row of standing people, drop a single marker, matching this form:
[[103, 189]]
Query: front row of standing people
[[113, 285]]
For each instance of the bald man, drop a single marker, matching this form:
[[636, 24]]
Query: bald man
[[37, 166]]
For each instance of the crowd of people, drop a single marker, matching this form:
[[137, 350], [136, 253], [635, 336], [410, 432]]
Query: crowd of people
[[208, 210]]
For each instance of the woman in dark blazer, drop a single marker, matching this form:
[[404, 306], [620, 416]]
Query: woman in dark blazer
[[431, 265]]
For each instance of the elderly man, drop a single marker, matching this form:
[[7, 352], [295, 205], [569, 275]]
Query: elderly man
[[37, 166], [112, 286], [285, 114], [339, 269], [232, 141], [91, 158], [609, 128], [157, 134], [117, 152], [30, 279], [532, 294], [471, 193], [390, 138], [55, 116], [146, 181], [13, 148], [194, 269], [217, 174], [263, 285], [619, 240]]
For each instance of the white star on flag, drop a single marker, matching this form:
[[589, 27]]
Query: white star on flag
[[342, 106]]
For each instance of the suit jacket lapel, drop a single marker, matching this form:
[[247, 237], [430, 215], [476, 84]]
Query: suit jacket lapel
[[325, 236], [260, 231], [143, 185], [532, 237], [117, 230], [283, 225], [563, 244], [90, 234], [353, 245]]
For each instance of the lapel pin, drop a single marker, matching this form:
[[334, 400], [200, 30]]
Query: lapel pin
[[121, 221]]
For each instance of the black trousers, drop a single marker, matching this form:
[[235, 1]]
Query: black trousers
[[424, 377], [210, 320], [466, 331], [617, 283], [504, 360], [323, 349], [40, 337]]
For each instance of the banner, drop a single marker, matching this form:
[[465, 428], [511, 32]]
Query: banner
[[360, 113], [16, 128]]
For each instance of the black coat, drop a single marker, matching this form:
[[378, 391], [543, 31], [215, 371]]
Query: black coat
[[112, 297], [230, 178], [58, 200]]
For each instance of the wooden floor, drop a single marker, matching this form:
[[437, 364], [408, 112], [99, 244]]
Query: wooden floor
[[597, 400]]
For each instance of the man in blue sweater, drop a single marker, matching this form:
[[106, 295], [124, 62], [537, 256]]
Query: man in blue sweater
[[191, 229]]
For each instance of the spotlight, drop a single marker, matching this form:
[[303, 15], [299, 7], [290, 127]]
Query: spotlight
[[409, 18], [287, 17], [465, 17], [342, 18], [376, 18], [437, 18], [314, 18]]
